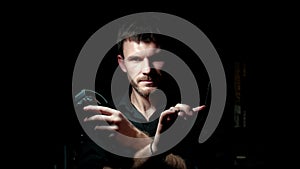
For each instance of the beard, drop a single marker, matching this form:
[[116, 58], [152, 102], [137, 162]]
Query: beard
[[146, 90]]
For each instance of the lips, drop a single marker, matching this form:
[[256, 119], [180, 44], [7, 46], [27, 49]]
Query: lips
[[146, 81]]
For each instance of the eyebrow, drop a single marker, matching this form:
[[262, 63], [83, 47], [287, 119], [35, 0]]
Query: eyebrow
[[134, 57]]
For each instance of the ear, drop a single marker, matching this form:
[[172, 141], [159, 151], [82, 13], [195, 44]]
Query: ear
[[121, 63]]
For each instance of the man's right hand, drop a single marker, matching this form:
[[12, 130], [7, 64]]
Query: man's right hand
[[118, 125]]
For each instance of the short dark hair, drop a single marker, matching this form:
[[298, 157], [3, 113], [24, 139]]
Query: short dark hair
[[141, 30]]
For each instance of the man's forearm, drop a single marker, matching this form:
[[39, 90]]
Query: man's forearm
[[137, 140], [143, 156]]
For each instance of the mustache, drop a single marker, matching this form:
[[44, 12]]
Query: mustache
[[144, 78]]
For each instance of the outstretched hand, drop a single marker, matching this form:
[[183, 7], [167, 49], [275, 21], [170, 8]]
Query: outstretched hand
[[117, 124], [168, 117]]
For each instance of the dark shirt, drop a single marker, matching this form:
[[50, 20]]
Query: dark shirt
[[137, 119]]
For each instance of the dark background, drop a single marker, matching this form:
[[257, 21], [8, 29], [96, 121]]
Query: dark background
[[47, 41]]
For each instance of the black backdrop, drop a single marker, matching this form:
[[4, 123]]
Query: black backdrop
[[50, 41]]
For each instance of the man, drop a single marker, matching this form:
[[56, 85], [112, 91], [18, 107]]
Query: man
[[138, 115]]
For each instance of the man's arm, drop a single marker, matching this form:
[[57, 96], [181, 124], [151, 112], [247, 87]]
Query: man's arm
[[166, 119], [145, 148], [170, 160], [121, 128]]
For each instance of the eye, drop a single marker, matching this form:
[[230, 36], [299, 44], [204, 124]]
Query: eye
[[158, 58], [135, 59]]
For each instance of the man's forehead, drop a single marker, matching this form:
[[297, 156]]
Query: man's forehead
[[140, 48]]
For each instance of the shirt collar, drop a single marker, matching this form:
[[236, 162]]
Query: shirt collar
[[129, 110]]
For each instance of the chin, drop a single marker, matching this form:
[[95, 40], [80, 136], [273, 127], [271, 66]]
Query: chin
[[147, 90]]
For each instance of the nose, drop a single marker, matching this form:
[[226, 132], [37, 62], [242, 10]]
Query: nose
[[146, 66]]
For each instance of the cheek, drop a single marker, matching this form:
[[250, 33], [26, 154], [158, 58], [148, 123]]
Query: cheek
[[133, 71], [158, 64]]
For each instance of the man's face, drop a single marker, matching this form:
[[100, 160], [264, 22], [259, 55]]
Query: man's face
[[142, 65]]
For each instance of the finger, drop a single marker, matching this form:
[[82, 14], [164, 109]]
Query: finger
[[107, 128], [196, 109], [101, 109], [181, 113], [171, 110], [98, 118], [184, 109]]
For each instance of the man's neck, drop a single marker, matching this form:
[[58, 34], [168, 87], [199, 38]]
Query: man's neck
[[142, 104]]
